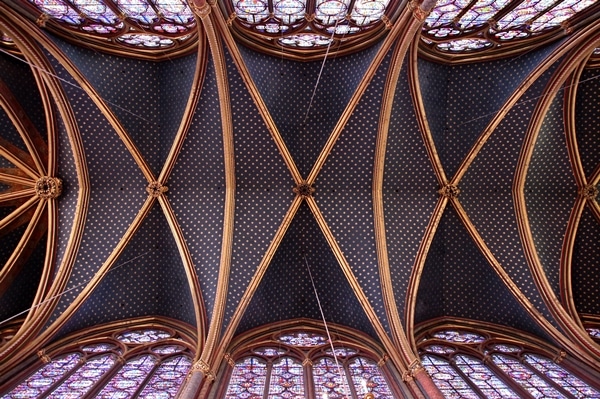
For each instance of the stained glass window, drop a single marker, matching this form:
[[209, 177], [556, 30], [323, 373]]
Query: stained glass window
[[287, 379], [446, 378], [329, 20], [104, 368], [298, 360], [463, 26], [144, 24], [455, 361], [247, 379]]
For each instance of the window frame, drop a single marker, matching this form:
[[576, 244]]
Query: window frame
[[246, 344], [74, 343]]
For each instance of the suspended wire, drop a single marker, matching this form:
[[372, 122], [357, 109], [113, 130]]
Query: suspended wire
[[526, 101], [74, 85], [320, 72], [337, 364], [74, 287]]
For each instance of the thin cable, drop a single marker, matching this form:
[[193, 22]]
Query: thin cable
[[337, 364], [320, 73], [74, 85], [72, 288], [526, 101]]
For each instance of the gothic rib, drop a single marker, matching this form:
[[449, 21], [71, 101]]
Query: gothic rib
[[99, 276], [389, 299], [419, 106], [103, 107], [566, 257], [12, 178], [390, 40], [48, 84], [188, 114], [12, 265], [220, 301], [190, 272], [27, 130], [417, 269], [18, 157], [255, 94], [257, 277], [354, 284], [499, 269], [508, 105], [589, 351]]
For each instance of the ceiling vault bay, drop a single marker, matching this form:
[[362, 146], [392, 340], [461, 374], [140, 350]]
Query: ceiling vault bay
[[221, 298]]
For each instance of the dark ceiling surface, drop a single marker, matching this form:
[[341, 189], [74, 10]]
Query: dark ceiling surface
[[464, 257]]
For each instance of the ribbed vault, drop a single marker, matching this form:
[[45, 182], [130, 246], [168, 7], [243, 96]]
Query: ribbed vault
[[204, 188]]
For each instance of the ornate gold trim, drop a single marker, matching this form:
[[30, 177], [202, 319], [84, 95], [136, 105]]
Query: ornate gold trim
[[579, 343], [353, 282], [48, 187], [22, 342], [156, 189], [404, 24], [208, 354], [389, 300], [190, 271], [221, 25]]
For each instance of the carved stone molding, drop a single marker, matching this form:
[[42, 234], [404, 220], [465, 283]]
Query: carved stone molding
[[590, 192], [156, 189], [304, 190], [413, 369], [307, 362], [48, 187], [44, 357], [204, 368], [42, 19], [449, 191], [229, 360], [560, 357], [200, 7]]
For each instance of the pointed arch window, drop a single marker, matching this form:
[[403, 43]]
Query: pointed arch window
[[142, 362], [144, 25], [467, 364], [457, 28], [298, 364]]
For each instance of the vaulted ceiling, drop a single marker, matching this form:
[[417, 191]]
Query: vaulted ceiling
[[227, 188]]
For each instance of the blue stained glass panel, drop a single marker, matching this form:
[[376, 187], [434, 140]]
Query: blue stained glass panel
[[287, 380], [556, 373], [143, 336], [84, 378], [367, 377], [40, 381], [483, 378], [167, 378], [303, 339], [330, 380], [459, 336], [247, 379], [447, 379], [525, 377], [129, 378]]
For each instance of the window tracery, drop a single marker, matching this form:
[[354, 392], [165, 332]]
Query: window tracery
[[302, 24], [456, 27], [133, 24], [297, 363], [466, 364], [144, 362]]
